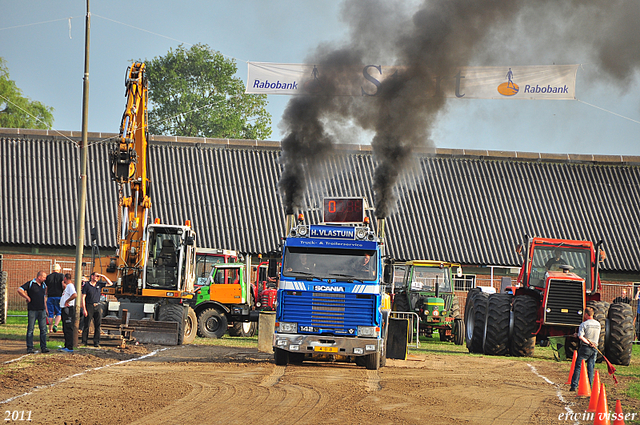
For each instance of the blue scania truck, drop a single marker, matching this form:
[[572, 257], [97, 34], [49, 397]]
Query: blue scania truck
[[331, 301]]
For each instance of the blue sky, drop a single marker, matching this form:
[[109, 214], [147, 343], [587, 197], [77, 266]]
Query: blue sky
[[46, 59]]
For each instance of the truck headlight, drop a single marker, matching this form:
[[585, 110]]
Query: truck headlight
[[302, 230], [368, 331], [288, 328], [361, 233]]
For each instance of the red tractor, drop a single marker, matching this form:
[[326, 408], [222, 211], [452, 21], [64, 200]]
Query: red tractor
[[266, 285], [558, 279]]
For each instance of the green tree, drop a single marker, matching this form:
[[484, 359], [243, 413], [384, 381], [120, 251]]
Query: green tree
[[17, 111], [194, 93]]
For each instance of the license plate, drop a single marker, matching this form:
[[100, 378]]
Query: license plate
[[326, 349], [309, 329]]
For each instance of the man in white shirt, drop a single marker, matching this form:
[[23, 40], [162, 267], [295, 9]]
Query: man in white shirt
[[68, 310], [588, 334]]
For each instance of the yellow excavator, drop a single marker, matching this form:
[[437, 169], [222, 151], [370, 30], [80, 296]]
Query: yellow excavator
[[154, 262]]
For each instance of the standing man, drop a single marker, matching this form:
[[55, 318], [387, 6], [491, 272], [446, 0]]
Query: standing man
[[54, 292], [34, 292], [91, 306], [623, 298], [68, 310], [588, 334]]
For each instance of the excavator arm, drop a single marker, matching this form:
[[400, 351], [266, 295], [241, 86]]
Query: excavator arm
[[129, 167]]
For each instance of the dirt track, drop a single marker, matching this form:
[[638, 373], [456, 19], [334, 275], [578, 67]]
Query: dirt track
[[205, 384]]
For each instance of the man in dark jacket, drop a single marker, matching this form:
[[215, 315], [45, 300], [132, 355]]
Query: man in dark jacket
[[34, 292], [91, 306]]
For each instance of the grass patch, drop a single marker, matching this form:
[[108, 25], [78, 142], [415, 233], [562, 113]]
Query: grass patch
[[16, 329]]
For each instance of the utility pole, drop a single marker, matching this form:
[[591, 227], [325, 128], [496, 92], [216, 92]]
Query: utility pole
[[82, 198]]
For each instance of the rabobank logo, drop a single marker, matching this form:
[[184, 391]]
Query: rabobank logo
[[508, 88]]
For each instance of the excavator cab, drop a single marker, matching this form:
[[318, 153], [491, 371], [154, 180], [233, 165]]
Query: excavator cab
[[171, 258]]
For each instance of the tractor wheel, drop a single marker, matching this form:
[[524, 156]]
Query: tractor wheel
[[243, 329], [212, 323], [372, 361], [173, 313], [280, 356], [525, 314], [600, 311], [458, 331], [476, 314], [496, 340], [190, 327], [620, 341], [455, 308], [472, 293], [401, 303]]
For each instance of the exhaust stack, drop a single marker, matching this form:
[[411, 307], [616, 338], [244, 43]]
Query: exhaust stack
[[381, 224], [291, 221]]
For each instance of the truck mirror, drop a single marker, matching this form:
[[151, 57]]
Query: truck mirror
[[388, 273], [272, 271], [190, 241], [520, 250], [459, 272]]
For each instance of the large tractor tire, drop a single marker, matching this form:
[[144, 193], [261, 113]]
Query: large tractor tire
[[496, 340], [243, 329], [212, 323], [600, 311], [525, 314], [280, 356], [173, 313], [401, 303], [620, 341], [190, 327], [476, 314]]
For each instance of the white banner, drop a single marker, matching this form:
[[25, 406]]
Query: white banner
[[483, 82]]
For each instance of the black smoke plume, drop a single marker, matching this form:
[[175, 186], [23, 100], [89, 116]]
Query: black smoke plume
[[430, 40]]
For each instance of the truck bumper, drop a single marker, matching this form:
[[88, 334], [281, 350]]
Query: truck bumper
[[323, 345]]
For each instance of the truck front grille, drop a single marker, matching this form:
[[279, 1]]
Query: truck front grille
[[339, 313], [565, 303]]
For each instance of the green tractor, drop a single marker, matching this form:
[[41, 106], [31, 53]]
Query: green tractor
[[427, 290]]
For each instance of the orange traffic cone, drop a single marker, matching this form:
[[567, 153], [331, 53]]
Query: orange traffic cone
[[618, 419], [584, 389], [595, 393], [602, 412], [573, 364]]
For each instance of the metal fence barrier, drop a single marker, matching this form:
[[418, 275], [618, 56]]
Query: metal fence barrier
[[410, 316]]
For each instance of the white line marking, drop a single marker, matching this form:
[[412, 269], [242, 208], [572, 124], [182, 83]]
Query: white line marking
[[558, 391], [41, 387]]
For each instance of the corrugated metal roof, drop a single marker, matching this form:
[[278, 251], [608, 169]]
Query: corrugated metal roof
[[471, 207]]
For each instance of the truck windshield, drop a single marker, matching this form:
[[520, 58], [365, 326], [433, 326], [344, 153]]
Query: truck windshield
[[340, 264], [424, 279], [164, 258], [549, 258]]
